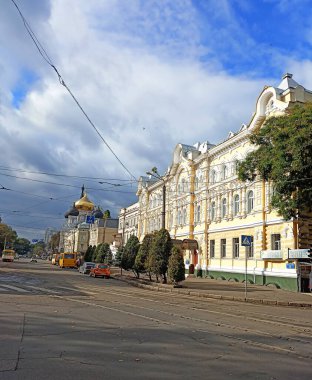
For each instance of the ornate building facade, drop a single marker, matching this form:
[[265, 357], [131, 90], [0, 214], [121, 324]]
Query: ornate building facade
[[85, 225], [208, 210]]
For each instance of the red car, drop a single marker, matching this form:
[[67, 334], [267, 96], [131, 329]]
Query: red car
[[101, 270]]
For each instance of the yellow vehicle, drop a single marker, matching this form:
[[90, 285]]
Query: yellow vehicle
[[8, 255], [55, 258], [68, 260]]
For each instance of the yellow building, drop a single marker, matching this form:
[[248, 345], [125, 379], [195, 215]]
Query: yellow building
[[208, 209]]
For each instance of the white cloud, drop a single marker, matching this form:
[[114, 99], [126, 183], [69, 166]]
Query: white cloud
[[134, 67]]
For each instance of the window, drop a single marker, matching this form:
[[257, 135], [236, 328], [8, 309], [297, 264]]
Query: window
[[236, 204], [276, 241], [224, 172], [213, 177], [212, 248], [197, 214], [213, 211], [196, 183], [250, 201], [184, 216], [236, 248], [250, 250], [183, 185], [223, 247], [223, 207], [179, 217]]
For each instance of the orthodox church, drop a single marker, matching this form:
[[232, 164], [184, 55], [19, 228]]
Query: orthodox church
[[85, 225]]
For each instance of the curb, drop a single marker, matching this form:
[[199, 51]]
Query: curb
[[193, 293]]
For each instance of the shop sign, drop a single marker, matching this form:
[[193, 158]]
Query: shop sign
[[271, 254], [290, 266], [298, 253]]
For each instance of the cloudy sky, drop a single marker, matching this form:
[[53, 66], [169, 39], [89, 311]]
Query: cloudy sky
[[149, 73]]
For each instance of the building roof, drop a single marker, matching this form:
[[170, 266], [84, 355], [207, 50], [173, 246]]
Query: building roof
[[288, 82]]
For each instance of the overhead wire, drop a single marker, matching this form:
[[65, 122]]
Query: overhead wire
[[46, 57]]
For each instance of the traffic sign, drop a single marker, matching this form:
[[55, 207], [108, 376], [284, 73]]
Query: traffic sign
[[246, 240], [34, 241], [90, 219]]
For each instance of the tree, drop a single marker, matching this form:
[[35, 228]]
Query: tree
[[103, 253], [7, 236], [284, 156], [54, 242], [93, 253], [141, 263], [106, 214], [22, 246], [129, 254], [160, 252], [88, 254], [176, 267], [118, 257], [38, 248]]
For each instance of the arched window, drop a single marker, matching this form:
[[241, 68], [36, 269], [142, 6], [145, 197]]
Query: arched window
[[236, 204], [213, 211], [250, 201], [183, 185], [213, 176], [224, 207]]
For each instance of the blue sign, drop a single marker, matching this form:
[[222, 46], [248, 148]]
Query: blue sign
[[290, 265], [246, 240], [90, 219], [34, 241]]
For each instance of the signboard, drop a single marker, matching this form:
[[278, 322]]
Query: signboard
[[34, 241], [246, 240], [271, 254], [298, 254], [90, 219], [290, 266]]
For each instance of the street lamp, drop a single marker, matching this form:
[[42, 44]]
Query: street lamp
[[154, 173]]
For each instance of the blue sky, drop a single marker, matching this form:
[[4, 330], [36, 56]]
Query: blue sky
[[150, 73]]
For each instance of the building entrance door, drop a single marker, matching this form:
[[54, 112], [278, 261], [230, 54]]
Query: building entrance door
[[305, 276]]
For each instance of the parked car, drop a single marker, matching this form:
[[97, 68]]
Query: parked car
[[33, 260], [101, 270], [86, 267]]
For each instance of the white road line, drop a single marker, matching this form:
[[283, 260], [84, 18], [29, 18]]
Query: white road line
[[11, 287], [43, 289]]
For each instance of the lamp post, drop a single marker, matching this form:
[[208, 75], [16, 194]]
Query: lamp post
[[154, 173]]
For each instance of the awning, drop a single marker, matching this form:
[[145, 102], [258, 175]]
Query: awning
[[190, 244], [177, 243]]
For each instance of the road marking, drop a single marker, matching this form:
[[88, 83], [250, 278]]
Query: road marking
[[11, 287], [42, 289]]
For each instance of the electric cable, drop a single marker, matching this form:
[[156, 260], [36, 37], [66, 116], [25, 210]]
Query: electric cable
[[45, 56]]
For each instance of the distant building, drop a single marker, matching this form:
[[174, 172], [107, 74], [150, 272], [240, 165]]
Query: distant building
[[128, 223], [85, 225]]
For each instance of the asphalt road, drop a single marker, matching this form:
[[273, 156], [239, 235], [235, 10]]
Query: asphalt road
[[59, 324]]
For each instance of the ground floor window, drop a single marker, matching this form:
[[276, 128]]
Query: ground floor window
[[212, 248], [223, 247], [276, 241], [236, 248], [250, 250]]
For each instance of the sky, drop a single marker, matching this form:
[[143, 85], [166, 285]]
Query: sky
[[150, 74]]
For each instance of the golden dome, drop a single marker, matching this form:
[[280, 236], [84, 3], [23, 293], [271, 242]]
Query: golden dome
[[84, 203]]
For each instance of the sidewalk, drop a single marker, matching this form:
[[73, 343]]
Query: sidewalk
[[224, 290]]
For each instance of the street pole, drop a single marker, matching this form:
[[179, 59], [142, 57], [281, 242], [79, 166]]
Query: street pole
[[246, 274]]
